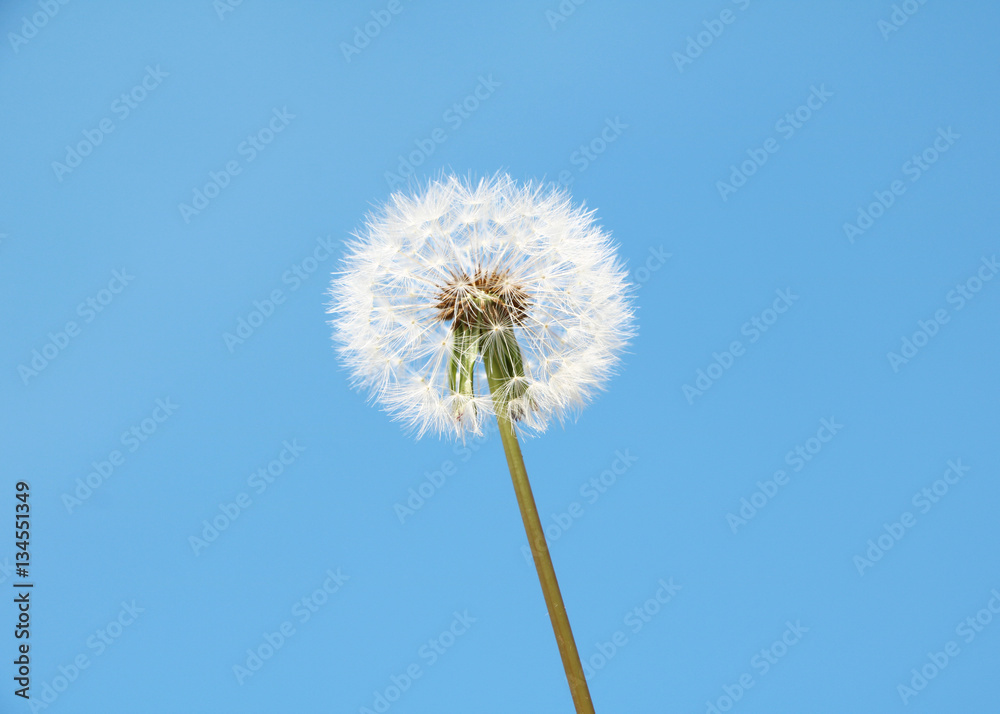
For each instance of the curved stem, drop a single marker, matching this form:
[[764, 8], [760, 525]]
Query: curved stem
[[540, 552]]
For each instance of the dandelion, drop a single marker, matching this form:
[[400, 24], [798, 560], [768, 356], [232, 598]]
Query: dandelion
[[463, 303]]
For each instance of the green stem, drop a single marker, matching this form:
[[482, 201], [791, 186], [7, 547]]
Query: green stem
[[540, 552]]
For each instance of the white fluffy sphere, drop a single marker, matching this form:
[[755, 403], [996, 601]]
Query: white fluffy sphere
[[400, 289]]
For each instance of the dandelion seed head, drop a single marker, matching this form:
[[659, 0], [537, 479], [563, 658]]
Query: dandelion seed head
[[496, 256]]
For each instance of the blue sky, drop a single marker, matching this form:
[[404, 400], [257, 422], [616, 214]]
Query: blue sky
[[784, 502]]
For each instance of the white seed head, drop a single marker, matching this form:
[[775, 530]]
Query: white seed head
[[497, 256]]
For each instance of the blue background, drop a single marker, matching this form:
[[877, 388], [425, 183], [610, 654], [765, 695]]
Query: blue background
[[356, 117]]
